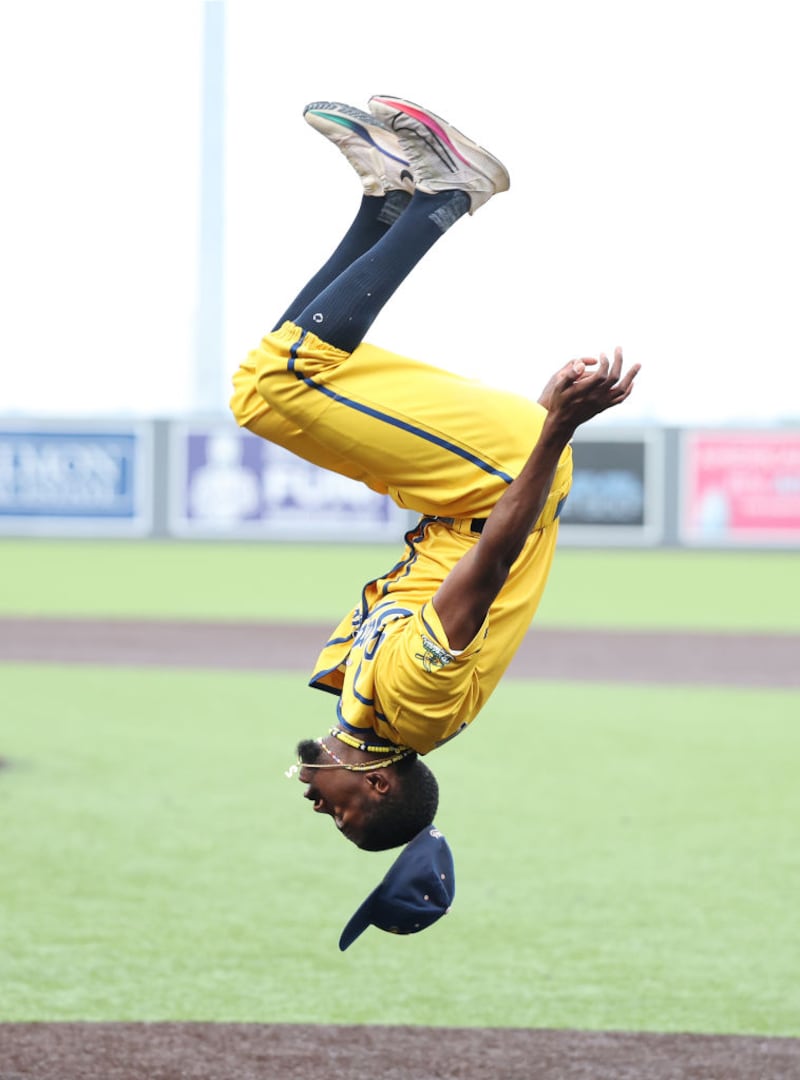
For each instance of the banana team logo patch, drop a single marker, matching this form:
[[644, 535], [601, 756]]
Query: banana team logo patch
[[433, 657]]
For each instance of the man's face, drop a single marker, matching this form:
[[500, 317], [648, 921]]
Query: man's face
[[344, 795]]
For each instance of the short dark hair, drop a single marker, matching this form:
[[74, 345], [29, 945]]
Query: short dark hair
[[401, 813]]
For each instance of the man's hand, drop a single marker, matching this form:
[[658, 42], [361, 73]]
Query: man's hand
[[576, 393], [547, 394], [583, 388]]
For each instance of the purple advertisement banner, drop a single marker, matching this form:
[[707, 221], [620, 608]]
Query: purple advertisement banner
[[226, 483]]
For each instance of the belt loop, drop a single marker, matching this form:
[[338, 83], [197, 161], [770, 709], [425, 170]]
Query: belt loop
[[463, 525]]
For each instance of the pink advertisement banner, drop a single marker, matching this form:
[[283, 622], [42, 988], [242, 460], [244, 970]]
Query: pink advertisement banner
[[741, 487]]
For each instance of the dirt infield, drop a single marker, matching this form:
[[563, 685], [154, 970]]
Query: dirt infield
[[297, 1052], [169, 1051], [585, 655]]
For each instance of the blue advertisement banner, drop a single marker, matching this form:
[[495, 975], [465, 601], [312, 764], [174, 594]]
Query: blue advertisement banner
[[228, 483], [73, 478]]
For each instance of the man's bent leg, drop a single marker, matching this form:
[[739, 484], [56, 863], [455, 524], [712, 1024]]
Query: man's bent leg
[[251, 411], [439, 443], [426, 461]]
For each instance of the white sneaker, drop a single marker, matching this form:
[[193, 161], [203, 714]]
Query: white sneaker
[[441, 158], [370, 147]]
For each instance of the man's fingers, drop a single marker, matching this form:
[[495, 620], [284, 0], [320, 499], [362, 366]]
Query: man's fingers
[[571, 372], [616, 367], [627, 380], [600, 364], [602, 368], [611, 374], [623, 388], [597, 379]]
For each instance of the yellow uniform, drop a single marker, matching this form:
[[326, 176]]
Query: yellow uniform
[[436, 443]]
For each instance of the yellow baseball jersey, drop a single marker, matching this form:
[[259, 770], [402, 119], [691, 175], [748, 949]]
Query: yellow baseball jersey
[[437, 443]]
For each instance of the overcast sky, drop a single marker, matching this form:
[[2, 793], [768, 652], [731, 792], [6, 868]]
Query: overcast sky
[[654, 199]]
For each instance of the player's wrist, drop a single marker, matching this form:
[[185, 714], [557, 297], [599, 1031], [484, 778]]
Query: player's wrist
[[557, 431]]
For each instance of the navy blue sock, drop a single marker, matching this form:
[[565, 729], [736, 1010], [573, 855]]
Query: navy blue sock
[[345, 309], [375, 216]]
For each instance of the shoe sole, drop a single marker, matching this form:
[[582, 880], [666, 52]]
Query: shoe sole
[[450, 144], [352, 121]]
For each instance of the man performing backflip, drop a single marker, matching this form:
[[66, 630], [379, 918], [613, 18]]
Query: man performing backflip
[[488, 471]]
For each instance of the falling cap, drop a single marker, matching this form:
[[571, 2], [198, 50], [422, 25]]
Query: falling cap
[[417, 890]]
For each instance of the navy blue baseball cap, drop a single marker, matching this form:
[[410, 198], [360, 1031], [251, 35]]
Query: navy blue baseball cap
[[418, 889]]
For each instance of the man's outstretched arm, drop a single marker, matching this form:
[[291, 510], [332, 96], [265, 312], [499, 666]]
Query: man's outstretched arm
[[575, 394]]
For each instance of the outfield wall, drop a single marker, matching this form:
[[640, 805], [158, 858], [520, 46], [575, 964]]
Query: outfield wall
[[202, 478]]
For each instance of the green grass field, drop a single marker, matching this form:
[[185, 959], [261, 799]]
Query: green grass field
[[666, 589], [627, 857]]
